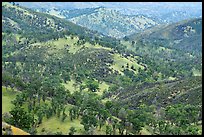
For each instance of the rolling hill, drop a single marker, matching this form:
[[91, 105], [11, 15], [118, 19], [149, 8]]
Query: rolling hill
[[176, 46], [72, 80], [184, 35]]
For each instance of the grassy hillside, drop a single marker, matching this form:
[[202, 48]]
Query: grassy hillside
[[185, 35], [76, 81], [176, 46], [8, 95], [33, 24], [50, 48]]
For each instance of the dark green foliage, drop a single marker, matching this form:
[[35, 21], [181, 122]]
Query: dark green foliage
[[92, 85], [182, 115], [20, 99], [21, 119], [88, 121]]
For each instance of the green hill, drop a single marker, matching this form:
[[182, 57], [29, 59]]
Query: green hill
[[173, 50], [71, 80], [185, 35]]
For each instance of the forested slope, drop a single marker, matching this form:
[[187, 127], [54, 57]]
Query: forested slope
[[86, 83]]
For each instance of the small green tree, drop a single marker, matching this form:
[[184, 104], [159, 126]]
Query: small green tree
[[92, 85], [88, 121]]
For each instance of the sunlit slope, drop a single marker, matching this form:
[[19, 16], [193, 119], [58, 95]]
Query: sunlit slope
[[15, 130]]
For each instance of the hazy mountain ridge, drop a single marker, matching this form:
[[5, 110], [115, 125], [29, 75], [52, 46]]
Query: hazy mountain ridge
[[112, 23], [154, 13], [164, 12], [108, 21]]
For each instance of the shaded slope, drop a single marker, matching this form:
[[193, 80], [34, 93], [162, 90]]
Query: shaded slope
[[185, 35], [161, 94]]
